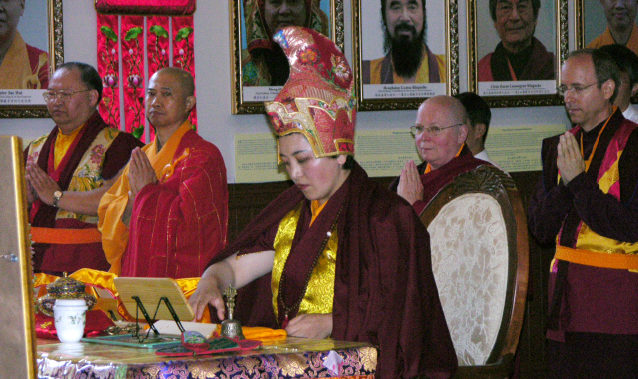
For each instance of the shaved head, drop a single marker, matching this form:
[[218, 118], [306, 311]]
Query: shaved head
[[453, 109], [184, 78]]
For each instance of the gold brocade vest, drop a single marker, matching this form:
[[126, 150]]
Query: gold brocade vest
[[320, 290], [88, 174], [591, 248]]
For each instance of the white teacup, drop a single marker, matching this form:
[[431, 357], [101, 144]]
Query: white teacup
[[70, 317]]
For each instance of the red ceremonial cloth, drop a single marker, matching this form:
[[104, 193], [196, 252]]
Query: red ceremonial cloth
[[108, 65], [184, 51], [164, 7], [96, 322]]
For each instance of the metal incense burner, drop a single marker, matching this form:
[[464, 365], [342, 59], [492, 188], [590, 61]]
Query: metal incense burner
[[231, 328]]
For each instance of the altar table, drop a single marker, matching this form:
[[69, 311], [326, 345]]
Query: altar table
[[288, 358]]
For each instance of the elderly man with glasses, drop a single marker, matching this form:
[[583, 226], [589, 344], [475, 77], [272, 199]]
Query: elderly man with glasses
[[439, 132], [586, 203], [69, 169]]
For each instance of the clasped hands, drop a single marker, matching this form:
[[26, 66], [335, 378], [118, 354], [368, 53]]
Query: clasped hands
[[570, 160], [306, 325], [410, 185], [140, 172], [39, 184]]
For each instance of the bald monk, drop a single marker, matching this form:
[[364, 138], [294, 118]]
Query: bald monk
[[167, 214]]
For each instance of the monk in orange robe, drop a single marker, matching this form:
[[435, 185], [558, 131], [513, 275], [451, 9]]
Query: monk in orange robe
[[167, 214]]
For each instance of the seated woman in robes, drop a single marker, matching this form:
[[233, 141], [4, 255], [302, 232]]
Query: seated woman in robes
[[336, 255]]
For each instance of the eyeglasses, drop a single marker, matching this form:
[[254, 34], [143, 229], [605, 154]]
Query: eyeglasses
[[417, 130], [577, 89], [51, 96]]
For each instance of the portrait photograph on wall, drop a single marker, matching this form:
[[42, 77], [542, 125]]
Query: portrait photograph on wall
[[29, 31], [515, 50], [403, 51], [259, 66], [607, 22]]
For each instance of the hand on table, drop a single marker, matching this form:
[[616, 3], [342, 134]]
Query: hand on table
[[310, 326], [207, 292]]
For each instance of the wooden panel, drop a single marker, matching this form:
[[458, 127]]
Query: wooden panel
[[16, 287]]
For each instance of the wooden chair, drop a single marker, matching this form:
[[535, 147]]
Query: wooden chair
[[480, 259]]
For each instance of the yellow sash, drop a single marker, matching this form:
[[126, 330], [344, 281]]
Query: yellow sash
[[320, 291]]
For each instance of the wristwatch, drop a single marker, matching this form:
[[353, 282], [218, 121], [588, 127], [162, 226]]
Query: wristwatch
[[57, 195]]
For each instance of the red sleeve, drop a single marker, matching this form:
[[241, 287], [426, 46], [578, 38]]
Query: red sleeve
[[178, 225]]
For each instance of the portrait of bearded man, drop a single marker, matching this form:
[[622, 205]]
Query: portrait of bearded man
[[408, 59]]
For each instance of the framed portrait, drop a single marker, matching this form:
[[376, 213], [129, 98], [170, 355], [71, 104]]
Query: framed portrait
[[601, 23], [404, 52], [517, 66], [36, 49], [259, 66]]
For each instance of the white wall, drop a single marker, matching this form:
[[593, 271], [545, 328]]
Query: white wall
[[212, 66]]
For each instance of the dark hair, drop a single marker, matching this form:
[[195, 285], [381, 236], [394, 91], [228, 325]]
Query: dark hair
[[477, 110], [604, 66], [349, 163], [536, 4], [88, 75], [383, 10], [626, 60]]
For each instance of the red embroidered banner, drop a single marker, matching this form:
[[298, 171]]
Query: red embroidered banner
[[133, 74], [184, 51], [108, 67]]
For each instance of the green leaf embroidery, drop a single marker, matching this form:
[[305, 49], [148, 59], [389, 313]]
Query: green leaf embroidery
[[159, 31], [133, 33], [109, 33], [183, 33]]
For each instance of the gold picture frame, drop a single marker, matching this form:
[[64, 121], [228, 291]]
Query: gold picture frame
[[551, 31], [248, 95], [591, 22], [18, 103], [375, 86], [17, 324]]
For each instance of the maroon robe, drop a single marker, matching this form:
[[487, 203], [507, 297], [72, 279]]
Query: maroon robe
[[178, 224], [71, 257], [592, 309], [533, 63], [435, 180], [384, 293]]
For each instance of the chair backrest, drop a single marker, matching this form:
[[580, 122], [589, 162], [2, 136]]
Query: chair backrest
[[480, 259], [17, 330]]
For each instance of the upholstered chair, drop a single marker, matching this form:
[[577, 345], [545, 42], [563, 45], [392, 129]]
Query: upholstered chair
[[480, 258]]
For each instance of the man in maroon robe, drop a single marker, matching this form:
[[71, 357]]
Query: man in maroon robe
[[440, 131], [365, 240], [167, 214], [69, 169], [586, 204]]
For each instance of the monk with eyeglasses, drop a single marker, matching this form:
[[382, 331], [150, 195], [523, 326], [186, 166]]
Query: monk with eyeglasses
[[69, 169]]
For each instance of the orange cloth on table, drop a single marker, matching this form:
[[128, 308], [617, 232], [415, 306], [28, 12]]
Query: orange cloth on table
[[113, 203], [259, 333]]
